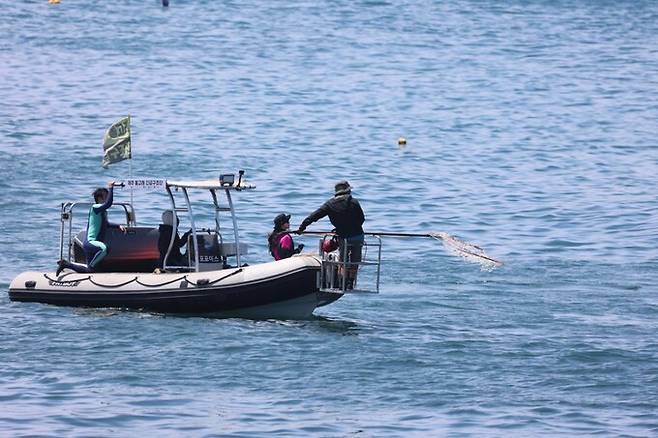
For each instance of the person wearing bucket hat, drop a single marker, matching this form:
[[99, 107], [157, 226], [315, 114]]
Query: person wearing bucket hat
[[342, 188], [346, 215], [280, 241]]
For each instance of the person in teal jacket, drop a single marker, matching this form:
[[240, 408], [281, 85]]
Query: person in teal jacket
[[94, 247]]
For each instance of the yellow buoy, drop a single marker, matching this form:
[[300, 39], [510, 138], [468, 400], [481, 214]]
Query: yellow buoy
[[402, 141], [53, 2]]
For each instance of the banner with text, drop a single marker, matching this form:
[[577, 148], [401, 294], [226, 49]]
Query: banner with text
[[145, 184]]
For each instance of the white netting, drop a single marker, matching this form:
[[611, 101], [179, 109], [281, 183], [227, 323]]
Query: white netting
[[467, 251]]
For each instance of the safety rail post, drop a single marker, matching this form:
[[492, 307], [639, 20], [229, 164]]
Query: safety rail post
[[379, 259], [217, 220], [330, 280], [194, 234], [70, 242], [61, 233], [235, 227], [175, 210]]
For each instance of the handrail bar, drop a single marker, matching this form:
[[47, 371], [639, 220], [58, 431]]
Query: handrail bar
[[329, 279], [66, 216]]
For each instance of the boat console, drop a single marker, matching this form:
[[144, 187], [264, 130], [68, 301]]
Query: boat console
[[213, 255], [140, 249]]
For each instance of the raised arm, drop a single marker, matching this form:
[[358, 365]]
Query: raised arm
[[108, 201]]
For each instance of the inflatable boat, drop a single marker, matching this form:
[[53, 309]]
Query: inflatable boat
[[285, 289], [209, 278]]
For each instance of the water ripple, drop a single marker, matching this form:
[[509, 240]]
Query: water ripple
[[530, 131]]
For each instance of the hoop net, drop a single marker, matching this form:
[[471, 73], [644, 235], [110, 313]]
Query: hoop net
[[467, 251]]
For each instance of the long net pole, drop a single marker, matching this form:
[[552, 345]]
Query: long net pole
[[467, 251]]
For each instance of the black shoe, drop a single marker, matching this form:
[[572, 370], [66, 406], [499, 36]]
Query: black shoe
[[60, 267], [349, 283]]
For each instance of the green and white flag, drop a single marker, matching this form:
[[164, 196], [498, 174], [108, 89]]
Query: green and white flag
[[116, 143]]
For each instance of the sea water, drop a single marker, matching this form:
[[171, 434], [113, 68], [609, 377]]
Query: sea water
[[531, 131]]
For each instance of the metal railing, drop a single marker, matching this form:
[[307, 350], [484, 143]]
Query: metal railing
[[339, 273], [67, 214]]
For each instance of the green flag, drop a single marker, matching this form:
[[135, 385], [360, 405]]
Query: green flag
[[116, 143]]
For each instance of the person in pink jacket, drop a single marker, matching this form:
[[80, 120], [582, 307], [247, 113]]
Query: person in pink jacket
[[280, 241]]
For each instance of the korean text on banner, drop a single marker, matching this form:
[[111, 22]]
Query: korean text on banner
[[145, 184]]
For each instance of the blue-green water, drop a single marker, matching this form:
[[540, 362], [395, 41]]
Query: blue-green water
[[531, 129]]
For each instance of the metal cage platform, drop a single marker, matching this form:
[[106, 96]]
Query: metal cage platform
[[350, 268]]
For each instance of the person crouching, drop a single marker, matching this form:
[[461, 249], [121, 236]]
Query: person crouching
[[280, 241]]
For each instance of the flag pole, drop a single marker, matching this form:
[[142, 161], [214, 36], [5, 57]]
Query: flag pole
[[130, 166], [130, 176], [117, 147]]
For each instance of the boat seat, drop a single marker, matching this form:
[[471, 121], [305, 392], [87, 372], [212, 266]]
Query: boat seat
[[136, 250]]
